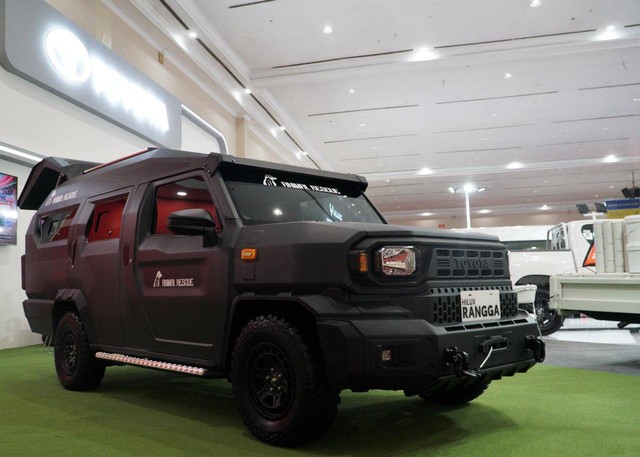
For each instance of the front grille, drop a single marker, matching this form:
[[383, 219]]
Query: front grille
[[446, 303], [470, 263]]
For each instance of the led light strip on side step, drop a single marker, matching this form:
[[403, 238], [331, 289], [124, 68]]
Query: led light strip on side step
[[150, 363]]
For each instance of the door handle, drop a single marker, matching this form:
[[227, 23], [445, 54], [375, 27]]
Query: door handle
[[125, 255], [72, 252]]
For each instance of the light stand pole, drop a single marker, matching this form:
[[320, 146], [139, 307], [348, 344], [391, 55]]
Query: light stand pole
[[466, 203], [466, 190]]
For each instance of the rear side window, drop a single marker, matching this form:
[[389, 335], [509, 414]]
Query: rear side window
[[55, 226], [184, 194], [106, 219]]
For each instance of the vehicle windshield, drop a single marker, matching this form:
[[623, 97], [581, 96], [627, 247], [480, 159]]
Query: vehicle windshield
[[273, 197]]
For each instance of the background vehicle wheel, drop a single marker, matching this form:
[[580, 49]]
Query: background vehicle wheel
[[548, 319], [76, 366], [281, 391], [458, 395]]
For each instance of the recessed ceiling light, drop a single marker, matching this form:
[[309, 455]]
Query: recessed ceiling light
[[610, 159], [637, 99], [247, 90], [484, 211], [352, 91], [422, 54], [535, 3], [362, 124], [277, 212], [425, 171], [387, 180], [192, 34], [515, 165], [544, 207], [327, 29], [426, 214], [605, 128], [610, 187], [610, 33], [508, 76], [181, 193], [494, 114], [283, 128], [375, 147]]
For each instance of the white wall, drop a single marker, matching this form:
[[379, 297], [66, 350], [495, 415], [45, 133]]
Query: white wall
[[195, 139], [14, 329], [36, 120]]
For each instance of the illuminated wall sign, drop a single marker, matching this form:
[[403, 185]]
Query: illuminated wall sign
[[39, 44]]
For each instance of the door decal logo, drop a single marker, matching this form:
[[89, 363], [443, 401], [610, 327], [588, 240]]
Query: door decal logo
[[156, 282], [172, 282]]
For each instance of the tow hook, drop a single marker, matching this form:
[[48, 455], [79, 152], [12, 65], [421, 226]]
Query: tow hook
[[460, 362], [536, 344]]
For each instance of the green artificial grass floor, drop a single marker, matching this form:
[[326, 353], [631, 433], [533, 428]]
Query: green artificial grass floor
[[549, 411]]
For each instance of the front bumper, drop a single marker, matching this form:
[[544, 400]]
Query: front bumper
[[415, 356]]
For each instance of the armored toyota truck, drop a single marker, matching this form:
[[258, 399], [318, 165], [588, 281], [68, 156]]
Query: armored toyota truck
[[285, 280]]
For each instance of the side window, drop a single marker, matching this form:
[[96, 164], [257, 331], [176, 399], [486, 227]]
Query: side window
[[55, 226], [587, 232], [106, 219], [187, 193]]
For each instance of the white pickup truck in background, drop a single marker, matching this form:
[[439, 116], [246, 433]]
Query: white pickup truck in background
[[613, 293], [537, 252]]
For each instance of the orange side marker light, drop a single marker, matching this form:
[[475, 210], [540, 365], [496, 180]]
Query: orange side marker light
[[249, 255]]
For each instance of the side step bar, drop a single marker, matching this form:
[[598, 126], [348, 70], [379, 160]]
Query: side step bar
[[120, 358]]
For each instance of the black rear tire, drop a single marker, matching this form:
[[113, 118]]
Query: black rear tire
[[281, 390], [549, 320], [76, 366], [458, 395]]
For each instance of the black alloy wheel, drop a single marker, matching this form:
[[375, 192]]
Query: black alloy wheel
[[271, 381], [69, 354]]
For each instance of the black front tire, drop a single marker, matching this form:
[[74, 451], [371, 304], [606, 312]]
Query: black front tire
[[458, 395], [549, 320], [76, 366], [281, 391]]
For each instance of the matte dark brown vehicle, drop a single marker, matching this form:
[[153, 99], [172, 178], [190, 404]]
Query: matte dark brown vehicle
[[285, 280]]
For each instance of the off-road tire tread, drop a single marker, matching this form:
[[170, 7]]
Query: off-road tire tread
[[90, 370], [320, 401]]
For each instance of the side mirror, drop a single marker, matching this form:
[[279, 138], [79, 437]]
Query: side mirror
[[195, 221]]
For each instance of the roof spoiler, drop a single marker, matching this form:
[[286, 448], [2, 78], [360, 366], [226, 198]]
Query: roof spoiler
[[46, 176]]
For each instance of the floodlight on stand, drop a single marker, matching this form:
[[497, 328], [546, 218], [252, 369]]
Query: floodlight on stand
[[601, 207], [467, 189], [633, 191], [582, 208]]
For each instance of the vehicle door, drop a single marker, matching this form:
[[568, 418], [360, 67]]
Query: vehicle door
[[175, 287], [95, 265]]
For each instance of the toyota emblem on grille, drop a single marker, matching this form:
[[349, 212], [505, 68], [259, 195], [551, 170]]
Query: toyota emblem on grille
[[476, 263]]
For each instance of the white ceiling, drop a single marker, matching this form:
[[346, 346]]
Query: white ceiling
[[569, 102]]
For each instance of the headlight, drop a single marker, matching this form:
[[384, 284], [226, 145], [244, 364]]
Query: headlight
[[397, 260]]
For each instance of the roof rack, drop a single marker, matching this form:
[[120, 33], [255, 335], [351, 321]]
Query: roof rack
[[97, 167]]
